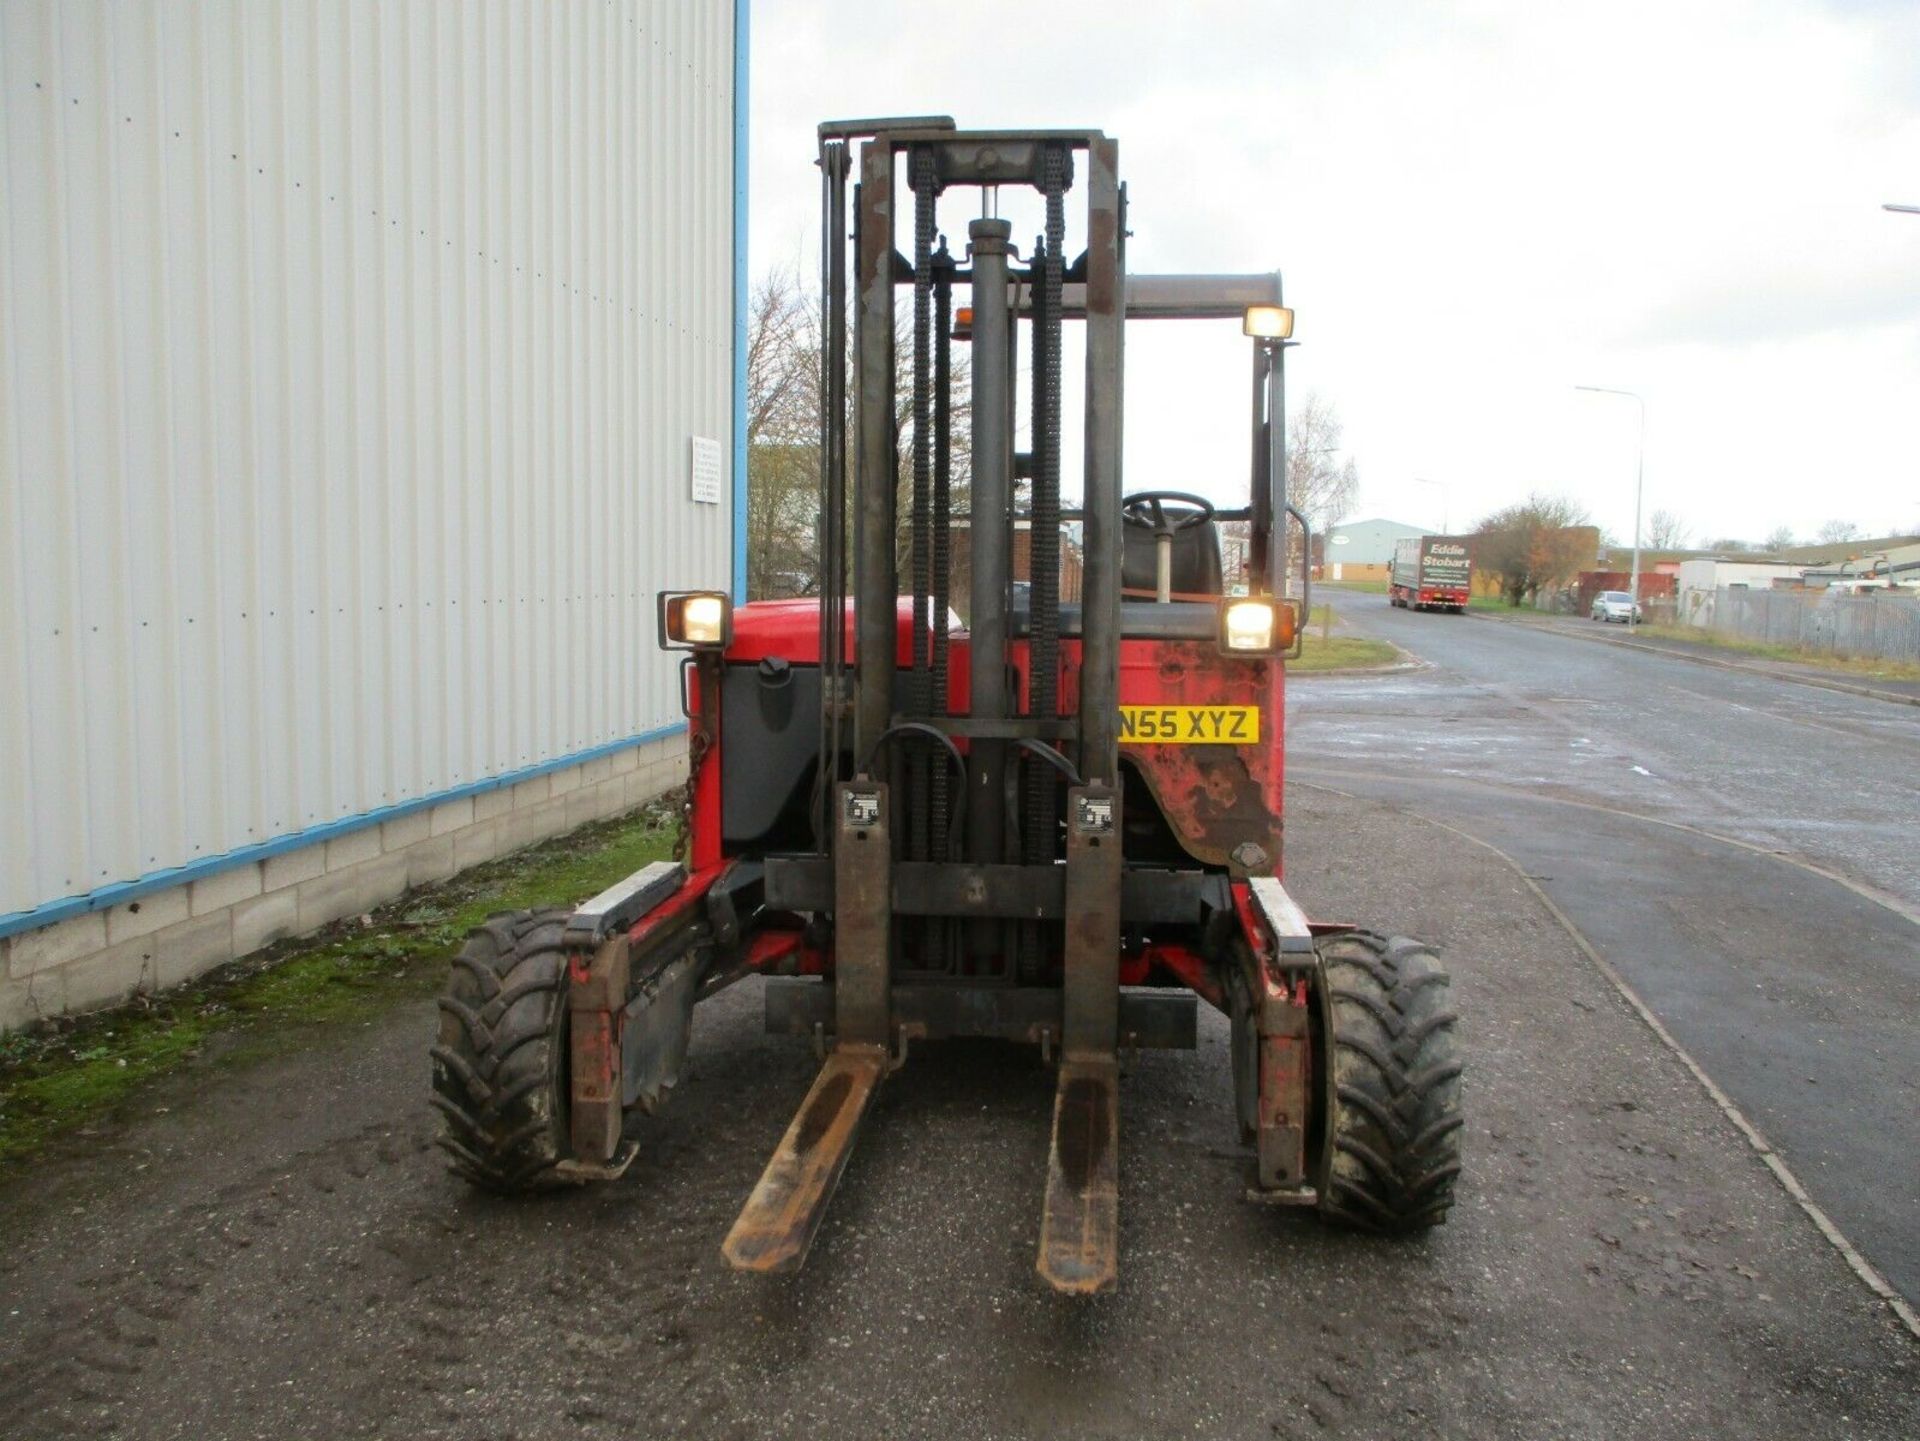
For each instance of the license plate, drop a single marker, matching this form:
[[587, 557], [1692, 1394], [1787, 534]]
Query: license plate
[[1191, 725]]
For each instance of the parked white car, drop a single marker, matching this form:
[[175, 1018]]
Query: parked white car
[[1615, 605]]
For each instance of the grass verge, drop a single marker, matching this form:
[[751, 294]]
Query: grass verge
[[1342, 652], [1860, 667], [1327, 649], [64, 1073]]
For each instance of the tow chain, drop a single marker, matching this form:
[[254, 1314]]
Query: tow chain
[[697, 747]]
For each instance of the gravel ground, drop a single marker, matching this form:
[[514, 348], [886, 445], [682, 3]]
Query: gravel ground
[[278, 1251]]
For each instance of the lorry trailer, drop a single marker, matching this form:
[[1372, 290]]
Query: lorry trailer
[[1431, 572]]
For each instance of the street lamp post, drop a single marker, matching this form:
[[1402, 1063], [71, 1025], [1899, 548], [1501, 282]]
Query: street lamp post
[[1639, 477], [1446, 506]]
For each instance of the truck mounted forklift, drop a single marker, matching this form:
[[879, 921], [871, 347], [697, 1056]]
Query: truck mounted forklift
[[1058, 823]]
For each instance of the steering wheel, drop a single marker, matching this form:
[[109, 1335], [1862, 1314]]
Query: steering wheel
[[1147, 508]]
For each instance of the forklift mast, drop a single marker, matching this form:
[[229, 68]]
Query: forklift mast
[[903, 728], [890, 746]]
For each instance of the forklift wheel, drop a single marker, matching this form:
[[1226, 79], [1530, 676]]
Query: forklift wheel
[[499, 1071], [1395, 1142]]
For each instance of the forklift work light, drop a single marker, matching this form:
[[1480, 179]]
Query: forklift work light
[[963, 323], [1268, 322], [1252, 627], [697, 620]]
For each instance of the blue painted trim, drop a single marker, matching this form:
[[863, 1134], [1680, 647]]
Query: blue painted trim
[[123, 891], [740, 300]]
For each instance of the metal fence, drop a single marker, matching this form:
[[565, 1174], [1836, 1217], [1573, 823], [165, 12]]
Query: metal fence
[[1880, 624]]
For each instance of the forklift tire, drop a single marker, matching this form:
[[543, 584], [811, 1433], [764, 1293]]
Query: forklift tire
[[499, 1070], [1393, 1148]]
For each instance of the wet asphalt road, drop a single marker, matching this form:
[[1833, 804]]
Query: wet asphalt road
[[1700, 827], [277, 1251], [1829, 777]]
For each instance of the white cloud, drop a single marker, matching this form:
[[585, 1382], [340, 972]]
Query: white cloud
[[1475, 209]]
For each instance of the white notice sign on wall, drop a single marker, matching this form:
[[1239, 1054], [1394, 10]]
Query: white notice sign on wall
[[706, 470]]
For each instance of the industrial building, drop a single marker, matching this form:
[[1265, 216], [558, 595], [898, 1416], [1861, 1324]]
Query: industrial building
[[1362, 550], [365, 373]]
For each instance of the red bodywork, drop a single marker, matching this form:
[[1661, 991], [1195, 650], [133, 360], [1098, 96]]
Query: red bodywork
[[1222, 802], [1218, 799]]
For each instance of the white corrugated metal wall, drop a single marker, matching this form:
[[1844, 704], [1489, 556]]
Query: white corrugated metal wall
[[349, 358]]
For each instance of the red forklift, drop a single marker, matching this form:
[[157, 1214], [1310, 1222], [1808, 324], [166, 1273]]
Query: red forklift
[[1058, 823]]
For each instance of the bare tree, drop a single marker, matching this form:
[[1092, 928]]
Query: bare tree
[[1319, 482], [783, 474], [1730, 545], [1666, 531], [959, 435], [1779, 538], [1836, 530], [1544, 541], [784, 362]]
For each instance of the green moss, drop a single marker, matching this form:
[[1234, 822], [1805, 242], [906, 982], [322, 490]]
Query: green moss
[[63, 1074]]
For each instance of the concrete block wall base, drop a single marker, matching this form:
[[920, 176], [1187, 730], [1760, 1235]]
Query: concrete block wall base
[[168, 937]]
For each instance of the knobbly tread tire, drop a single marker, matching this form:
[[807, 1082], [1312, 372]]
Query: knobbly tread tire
[[1393, 1141], [500, 1065]]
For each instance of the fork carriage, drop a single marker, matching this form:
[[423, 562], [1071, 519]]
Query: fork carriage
[[1060, 823]]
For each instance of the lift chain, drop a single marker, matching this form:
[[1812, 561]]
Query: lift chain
[[918, 688], [697, 748], [1043, 556], [937, 809]]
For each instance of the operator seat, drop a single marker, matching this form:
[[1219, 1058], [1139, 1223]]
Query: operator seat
[[1196, 567]]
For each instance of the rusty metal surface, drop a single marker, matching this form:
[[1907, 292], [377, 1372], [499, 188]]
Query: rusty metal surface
[[596, 1000], [1101, 525], [1159, 1019], [1080, 1220], [657, 1030], [1217, 799], [875, 581], [989, 545], [1212, 798], [863, 912], [1092, 944], [956, 888], [776, 1227], [1283, 987], [1287, 1015], [1286, 1063], [582, 1172]]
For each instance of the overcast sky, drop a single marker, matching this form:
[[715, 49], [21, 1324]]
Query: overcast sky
[[1476, 207]]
